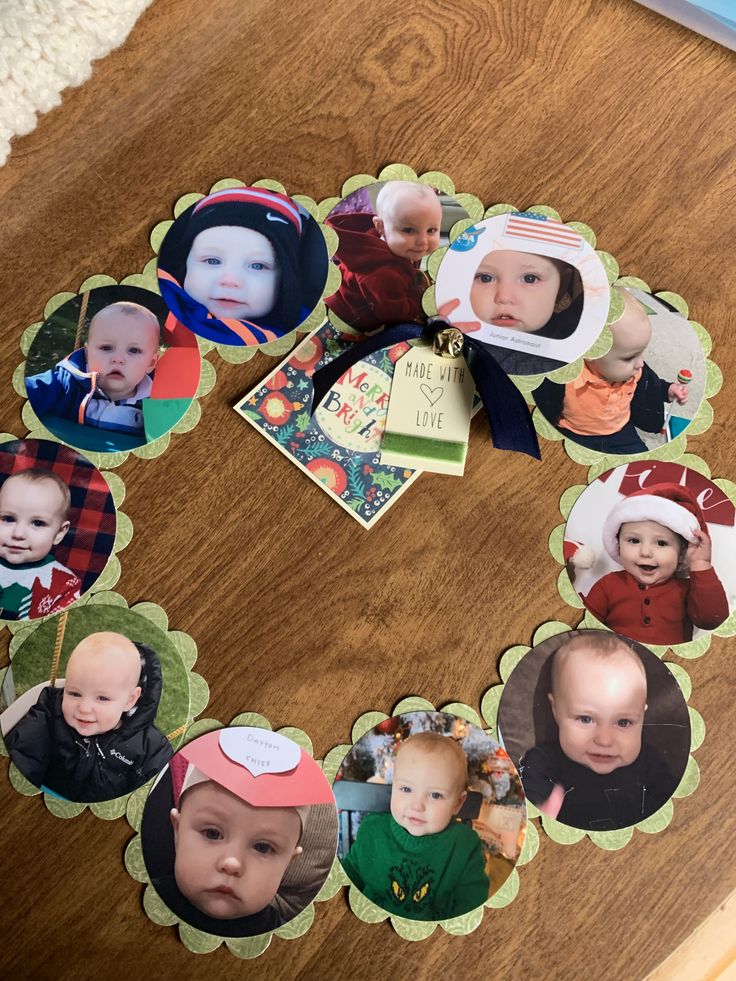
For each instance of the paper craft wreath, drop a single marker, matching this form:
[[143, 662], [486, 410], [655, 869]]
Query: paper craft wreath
[[368, 911], [240, 350], [40, 651], [181, 377], [564, 834], [197, 940], [91, 544], [703, 378], [580, 543]]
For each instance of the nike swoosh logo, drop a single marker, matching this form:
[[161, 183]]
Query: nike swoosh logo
[[271, 217]]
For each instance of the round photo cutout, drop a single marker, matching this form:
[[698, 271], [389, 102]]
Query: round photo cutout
[[528, 287], [432, 816], [57, 527], [111, 370], [386, 232], [598, 727], [243, 266], [640, 395], [102, 724], [239, 833], [651, 551]]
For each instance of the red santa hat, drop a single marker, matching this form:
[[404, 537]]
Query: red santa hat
[[671, 505]]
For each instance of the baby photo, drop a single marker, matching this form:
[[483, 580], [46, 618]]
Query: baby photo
[[239, 832], [530, 288], [432, 816], [650, 548], [57, 527], [386, 232], [598, 727], [243, 266], [110, 370], [644, 392], [91, 737]]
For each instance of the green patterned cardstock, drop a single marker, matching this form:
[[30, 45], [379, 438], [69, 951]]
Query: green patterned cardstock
[[550, 336], [652, 605], [127, 390], [507, 839], [73, 555], [288, 269], [376, 283], [172, 694], [518, 711], [197, 940], [674, 365]]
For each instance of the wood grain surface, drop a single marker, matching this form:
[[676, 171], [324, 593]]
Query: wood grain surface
[[600, 108]]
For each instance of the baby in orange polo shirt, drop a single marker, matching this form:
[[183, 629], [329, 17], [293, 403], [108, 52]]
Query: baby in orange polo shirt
[[615, 394]]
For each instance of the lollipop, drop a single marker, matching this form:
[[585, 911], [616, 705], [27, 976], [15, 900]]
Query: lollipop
[[684, 377]]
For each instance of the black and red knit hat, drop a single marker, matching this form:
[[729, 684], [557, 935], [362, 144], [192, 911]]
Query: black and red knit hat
[[275, 216]]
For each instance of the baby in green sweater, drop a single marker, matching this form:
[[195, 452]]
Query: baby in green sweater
[[418, 862]]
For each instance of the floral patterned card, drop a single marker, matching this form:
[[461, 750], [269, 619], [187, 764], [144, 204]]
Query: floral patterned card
[[340, 445]]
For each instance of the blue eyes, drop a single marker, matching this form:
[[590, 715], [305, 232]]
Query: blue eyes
[[263, 848], [433, 794], [621, 723], [256, 265], [529, 279], [211, 834], [585, 719]]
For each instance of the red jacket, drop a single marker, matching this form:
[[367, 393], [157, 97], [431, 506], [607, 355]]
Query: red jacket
[[664, 614], [377, 286]]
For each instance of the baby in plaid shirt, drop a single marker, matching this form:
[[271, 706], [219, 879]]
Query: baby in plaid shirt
[[34, 510]]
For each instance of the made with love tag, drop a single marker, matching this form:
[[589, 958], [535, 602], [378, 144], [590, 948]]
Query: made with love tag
[[429, 412]]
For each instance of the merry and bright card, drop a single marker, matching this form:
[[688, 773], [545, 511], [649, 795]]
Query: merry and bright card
[[339, 447]]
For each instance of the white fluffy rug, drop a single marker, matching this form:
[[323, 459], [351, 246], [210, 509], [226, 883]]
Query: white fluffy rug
[[46, 45]]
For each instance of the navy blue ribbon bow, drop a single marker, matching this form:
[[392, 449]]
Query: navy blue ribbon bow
[[509, 419]]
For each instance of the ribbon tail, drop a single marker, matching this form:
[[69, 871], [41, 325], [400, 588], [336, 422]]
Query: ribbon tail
[[324, 378], [508, 414]]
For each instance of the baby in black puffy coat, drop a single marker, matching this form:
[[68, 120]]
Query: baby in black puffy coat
[[94, 740]]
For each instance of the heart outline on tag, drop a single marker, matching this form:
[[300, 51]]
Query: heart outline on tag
[[429, 393]]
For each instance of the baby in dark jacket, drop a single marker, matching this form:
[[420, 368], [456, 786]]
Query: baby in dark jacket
[[94, 739]]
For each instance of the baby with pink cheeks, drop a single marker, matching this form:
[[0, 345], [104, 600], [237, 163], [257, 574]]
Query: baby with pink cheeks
[[599, 775], [237, 831], [419, 862], [667, 585]]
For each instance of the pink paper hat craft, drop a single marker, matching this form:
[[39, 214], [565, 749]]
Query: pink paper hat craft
[[262, 768], [671, 505]]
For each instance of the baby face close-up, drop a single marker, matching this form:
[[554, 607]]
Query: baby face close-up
[[231, 856], [122, 348], [101, 683], [32, 519], [233, 272], [516, 290], [631, 336], [428, 789], [410, 225], [599, 703], [650, 552]]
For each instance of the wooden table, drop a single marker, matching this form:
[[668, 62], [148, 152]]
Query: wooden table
[[604, 110]]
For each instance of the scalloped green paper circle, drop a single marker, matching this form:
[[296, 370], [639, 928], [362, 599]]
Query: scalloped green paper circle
[[527, 383], [282, 345], [700, 423], [401, 172], [195, 940], [562, 834], [123, 532], [184, 684], [691, 649], [369, 912], [36, 429]]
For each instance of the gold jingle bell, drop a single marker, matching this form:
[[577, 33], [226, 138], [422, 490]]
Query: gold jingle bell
[[448, 342]]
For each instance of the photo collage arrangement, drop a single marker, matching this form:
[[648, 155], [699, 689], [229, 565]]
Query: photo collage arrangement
[[396, 311]]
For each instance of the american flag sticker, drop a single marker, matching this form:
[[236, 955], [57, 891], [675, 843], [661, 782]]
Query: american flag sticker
[[538, 228]]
